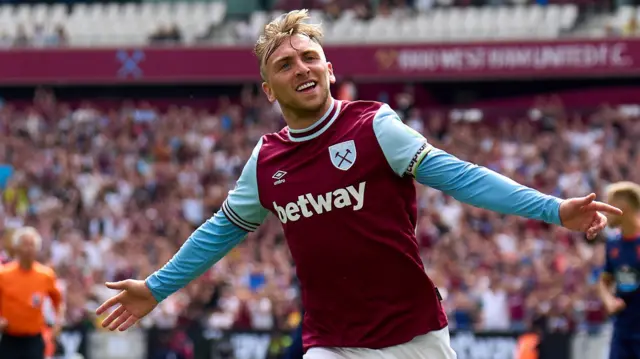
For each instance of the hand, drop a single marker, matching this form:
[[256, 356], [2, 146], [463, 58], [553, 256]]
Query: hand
[[614, 306], [134, 302], [582, 214], [3, 324], [56, 329]]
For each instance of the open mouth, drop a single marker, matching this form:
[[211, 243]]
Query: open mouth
[[306, 87]]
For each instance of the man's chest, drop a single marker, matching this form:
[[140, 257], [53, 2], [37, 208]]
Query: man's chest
[[625, 261], [26, 289], [321, 177]]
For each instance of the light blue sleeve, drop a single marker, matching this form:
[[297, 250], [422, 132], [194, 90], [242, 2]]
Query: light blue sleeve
[[241, 213], [242, 207], [402, 146], [206, 246], [484, 188], [409, 153]]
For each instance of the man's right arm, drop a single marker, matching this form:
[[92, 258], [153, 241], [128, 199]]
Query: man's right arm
[[241, 213], [606, 281], [3, 321], [605, 287]]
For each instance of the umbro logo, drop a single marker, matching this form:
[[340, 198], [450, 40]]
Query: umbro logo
[[279, 177]]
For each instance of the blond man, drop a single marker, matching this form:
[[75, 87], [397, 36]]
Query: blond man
[[341, 179], [619, 285]]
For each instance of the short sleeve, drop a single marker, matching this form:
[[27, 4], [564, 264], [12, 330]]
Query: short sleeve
[[608, 265], [403, 147], [242, 206]]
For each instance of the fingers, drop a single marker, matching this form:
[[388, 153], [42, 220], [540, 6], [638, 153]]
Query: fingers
[[129, 323], [597, 225], [603, 207], [118, 322], [108, 304], [617, 306], [588, 203], [113, 316], [118, 285], [586, 199]]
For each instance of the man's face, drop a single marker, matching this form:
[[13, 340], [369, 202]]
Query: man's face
[[26, 248], [615, 220], [297, 62]]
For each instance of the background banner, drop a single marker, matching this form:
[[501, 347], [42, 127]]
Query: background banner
[[190, 343], [452, 61]]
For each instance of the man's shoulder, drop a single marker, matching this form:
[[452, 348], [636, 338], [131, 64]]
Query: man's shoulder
[[362, 105], [612, 237], [271, 144], [44, 270], [270, 138], [8, 267], [362, 110]]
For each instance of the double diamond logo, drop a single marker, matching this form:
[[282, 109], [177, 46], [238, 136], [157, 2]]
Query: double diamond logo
[[279, 177]]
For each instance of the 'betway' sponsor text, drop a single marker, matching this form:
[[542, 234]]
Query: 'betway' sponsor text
[[308, 205]]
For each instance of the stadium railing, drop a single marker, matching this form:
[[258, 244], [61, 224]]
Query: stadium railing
[[252, 344]]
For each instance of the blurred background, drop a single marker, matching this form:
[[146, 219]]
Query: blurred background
[[124, 124]]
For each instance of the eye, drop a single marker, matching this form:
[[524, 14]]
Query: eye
[[309, 57], [284, 66]]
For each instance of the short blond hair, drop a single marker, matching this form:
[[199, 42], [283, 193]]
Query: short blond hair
[[20, 233], [274, 33], [627, 191]]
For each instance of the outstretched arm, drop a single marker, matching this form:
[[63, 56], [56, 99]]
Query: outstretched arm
[[241, 213], [409, 153], [206, 246], [484, 188]]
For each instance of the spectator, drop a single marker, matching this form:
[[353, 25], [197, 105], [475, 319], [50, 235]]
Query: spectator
[[115, 191], [21, 39], [166, 35]]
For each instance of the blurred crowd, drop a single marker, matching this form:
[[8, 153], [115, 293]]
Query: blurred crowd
[[242, 28], [116, 191], [37, 36]]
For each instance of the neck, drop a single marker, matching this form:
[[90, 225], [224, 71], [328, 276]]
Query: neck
[[631, 228], [25, 264], [299, 120]]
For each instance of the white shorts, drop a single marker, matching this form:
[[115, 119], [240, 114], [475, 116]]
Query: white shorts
[[433, 345]]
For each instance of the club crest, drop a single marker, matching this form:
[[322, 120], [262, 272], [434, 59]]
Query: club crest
[[343, 155], [36, 300]]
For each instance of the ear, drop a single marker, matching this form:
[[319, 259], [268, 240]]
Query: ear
[[332, 77], [267, 91]]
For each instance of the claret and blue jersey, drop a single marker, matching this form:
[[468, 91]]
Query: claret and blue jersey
[[344, 192], [623, 264]]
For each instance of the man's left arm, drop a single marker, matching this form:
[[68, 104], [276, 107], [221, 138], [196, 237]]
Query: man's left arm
[[409, 153], [56, 300]]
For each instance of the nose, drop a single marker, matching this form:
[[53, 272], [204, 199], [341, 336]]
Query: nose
[[302, 69]]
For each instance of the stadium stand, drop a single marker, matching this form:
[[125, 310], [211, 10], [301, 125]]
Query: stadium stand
[[103, 24], [116, 182]]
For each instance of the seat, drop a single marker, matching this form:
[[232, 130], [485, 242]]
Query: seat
[[568, 16]]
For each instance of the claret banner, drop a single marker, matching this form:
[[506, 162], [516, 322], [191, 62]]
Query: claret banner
[[437, 62]]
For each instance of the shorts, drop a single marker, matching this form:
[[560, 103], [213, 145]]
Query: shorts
[[624, 348], [295, 350], [21, 347], [433, 345]]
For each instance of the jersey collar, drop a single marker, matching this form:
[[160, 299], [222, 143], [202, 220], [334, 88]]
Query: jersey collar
[[317, 128]]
